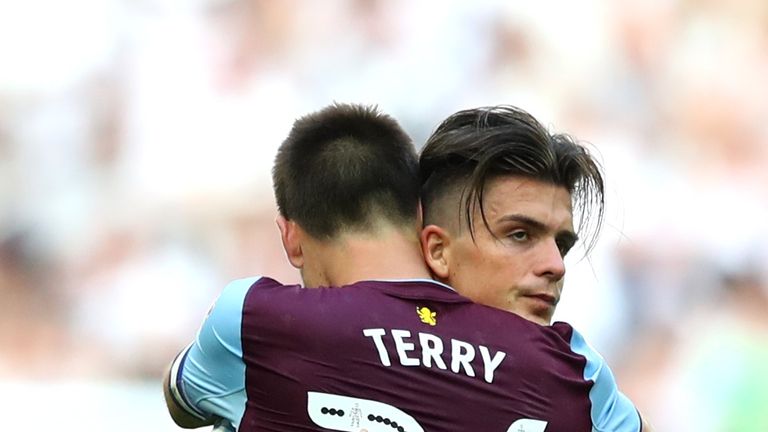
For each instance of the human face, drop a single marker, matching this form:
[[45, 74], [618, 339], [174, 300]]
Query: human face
[[517, 266]]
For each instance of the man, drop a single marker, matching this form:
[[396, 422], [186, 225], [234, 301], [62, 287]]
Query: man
[[497, 195], [387, 349]]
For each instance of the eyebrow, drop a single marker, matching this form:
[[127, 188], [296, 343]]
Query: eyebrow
[[565, 235]]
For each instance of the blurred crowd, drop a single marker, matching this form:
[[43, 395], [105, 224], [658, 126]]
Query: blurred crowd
[[137, 137]]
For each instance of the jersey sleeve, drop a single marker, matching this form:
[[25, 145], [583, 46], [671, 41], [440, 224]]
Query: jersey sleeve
[[208, 377], [611, 409]]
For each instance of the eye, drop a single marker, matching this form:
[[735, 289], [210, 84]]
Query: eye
[[564, 247], [519, 235]]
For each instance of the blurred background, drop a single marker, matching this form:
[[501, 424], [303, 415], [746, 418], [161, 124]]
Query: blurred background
[[137, 137]]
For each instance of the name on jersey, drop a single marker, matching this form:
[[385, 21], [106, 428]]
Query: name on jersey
[[428, 350]]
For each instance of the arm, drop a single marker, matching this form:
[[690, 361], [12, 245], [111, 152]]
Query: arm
[[181, 416], [206, 381]]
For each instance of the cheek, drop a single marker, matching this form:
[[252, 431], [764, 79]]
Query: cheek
[[477, 276], [469, 265]]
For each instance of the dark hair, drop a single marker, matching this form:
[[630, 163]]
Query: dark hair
[[474, 146], [346, 167]]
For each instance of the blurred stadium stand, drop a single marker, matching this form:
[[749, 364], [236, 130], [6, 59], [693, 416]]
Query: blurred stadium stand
[[137, 137]]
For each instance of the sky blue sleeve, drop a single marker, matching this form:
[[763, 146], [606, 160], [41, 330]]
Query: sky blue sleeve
[[211, 377], [611, 409]]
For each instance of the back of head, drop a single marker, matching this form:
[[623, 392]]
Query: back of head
[[346, 168], [474, 146]]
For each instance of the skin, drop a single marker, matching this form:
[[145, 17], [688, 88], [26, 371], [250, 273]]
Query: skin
[[518, 265], [354, 256]]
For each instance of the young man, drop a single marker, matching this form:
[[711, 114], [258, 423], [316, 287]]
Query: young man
[[386, 349], [498, 191]]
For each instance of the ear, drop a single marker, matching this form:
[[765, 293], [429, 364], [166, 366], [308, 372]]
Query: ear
[[290, 235], [435, 243]]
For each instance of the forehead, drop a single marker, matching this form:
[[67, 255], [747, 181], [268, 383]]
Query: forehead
[[539, 200]]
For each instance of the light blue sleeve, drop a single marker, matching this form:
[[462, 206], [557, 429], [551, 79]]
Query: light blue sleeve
[[211, 376], [612, 411]]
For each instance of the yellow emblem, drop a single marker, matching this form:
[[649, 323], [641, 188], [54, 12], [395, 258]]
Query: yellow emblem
[[427, 316]]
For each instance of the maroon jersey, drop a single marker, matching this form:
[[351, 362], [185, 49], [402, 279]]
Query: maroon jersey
[[391, 356]]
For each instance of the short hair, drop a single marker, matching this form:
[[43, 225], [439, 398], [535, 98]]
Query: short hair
[[347, 167], [474, 146]]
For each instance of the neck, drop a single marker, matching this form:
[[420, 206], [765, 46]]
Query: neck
[[387, 254]]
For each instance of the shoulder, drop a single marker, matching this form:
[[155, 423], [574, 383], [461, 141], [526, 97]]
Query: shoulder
[[236, 292], [233, 296], [591, 361], [226, 314], [594, 362]]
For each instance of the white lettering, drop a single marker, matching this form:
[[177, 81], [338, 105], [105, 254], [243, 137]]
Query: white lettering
[[490, 364], [403, 347], [461, 354], [376, 334], [431, 348]]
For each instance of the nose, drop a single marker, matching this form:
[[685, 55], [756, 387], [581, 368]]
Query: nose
[[550, 263]]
